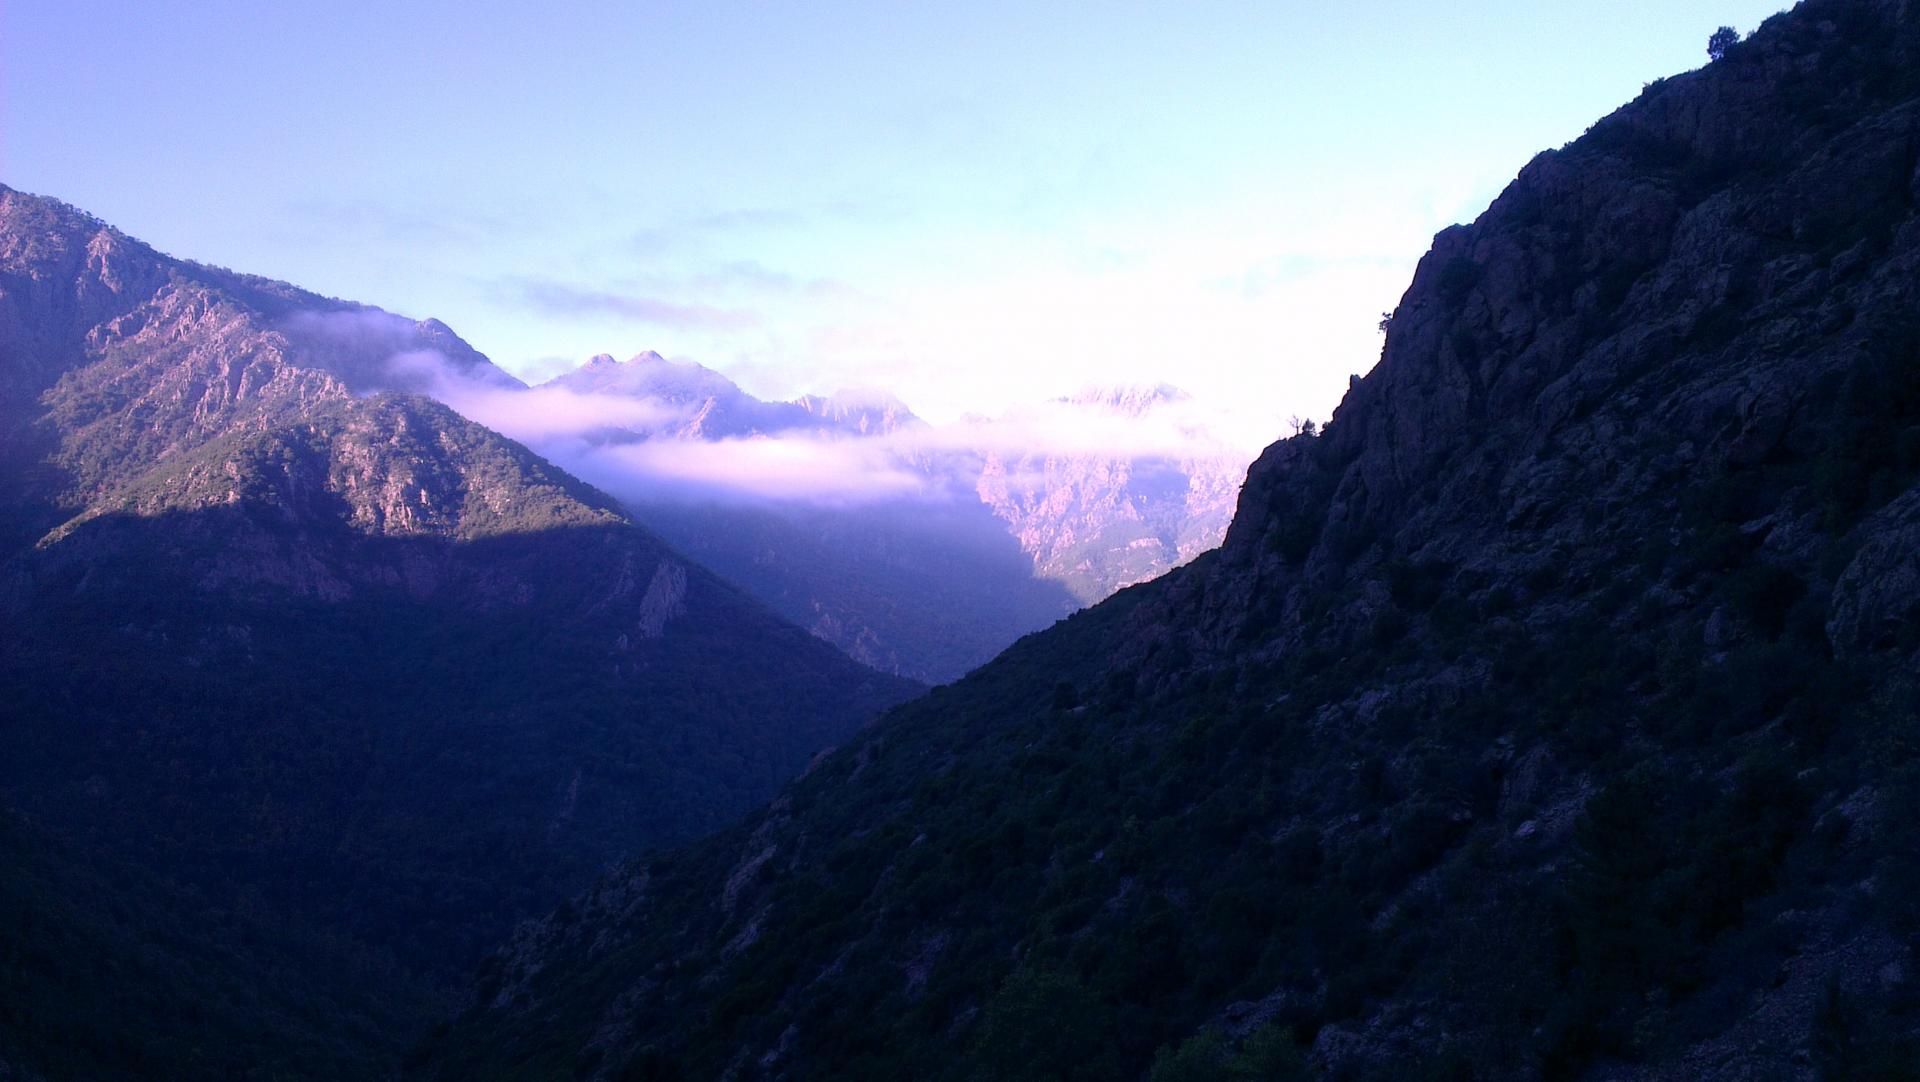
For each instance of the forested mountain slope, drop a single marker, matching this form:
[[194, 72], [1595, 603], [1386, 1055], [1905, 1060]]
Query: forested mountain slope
[[302, 643], [1552, 714]]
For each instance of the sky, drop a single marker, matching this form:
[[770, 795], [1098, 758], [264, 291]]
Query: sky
[[971, 205]]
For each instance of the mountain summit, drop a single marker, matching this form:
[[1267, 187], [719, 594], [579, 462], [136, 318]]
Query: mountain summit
[[1551, 714]]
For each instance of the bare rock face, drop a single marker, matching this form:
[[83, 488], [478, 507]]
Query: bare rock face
[[1099, 522], [1697, 289], [864, 413], [1876, 600], [666, 598]]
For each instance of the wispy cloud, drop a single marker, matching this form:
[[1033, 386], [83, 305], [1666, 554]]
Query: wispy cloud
[[787, 469], [1174, 430], [398, 225], [755, 278], [556, 298], [694, 229], [532, 415], [621, 443]]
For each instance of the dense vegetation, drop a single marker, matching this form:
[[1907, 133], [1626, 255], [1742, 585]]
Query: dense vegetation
[[417, 773], [107, 971], [1082, 891]]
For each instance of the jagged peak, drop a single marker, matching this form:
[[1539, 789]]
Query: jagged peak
[[868, 410], [1131, 399], [649, 375]]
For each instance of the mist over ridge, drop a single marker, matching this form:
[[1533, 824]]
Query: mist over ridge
[[859, 520]]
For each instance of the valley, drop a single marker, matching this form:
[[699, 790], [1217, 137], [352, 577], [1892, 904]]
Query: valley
[[1551, 711]]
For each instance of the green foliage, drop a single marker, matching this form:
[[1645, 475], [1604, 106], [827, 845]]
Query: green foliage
[[1664, 866], [398, 778], [1044, 1026], [107, 971], [1268, 1054], [1571, 801], [1857, 1038]]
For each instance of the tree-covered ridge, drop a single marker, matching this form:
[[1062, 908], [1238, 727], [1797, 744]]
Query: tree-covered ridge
[[112, 972], [1551, 714]]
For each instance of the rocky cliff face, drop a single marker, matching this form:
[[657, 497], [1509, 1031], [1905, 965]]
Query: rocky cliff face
[[280, 632], [1552, 714], [1098, 521], [1706, 286], [116, 357]]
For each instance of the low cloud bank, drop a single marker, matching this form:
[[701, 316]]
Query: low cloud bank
[[628, 445], [536, 414], [803, 468]]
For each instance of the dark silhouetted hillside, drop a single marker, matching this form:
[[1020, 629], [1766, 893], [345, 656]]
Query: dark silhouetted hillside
[[1552, 714]]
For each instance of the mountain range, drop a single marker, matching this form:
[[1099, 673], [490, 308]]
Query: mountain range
[[1550, 713], [918, 550]]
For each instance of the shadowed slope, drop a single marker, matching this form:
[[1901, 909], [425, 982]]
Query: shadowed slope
[[303, 643], [1552, 714]]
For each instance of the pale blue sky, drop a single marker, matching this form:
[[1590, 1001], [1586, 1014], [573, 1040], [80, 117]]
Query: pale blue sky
[[969, 203]]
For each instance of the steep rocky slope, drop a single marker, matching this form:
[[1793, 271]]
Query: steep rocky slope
[[308, 645], [1553, 714]]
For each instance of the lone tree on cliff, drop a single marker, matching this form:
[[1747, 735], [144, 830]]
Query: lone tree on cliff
[[1722, 40]]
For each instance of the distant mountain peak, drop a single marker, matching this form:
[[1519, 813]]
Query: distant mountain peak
[[866, 410], [648, 374], [1131, 399]]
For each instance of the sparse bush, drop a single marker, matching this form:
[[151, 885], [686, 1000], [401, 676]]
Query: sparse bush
[[1723, 39]]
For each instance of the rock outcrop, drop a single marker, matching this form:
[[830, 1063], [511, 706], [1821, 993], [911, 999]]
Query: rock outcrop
[[1098, 520]]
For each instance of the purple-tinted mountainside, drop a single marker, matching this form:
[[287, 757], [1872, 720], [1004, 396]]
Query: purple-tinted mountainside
[[1008, 525], [278, 632]]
